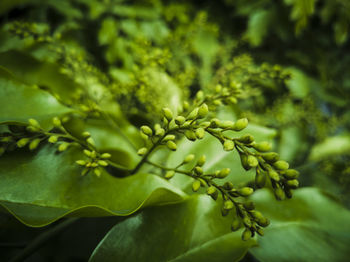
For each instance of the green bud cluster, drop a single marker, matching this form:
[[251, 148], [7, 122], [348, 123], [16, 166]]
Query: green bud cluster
[[95, 162]]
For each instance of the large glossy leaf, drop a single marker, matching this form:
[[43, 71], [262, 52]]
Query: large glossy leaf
[[19, 102], [191, 231], [217, 158], [309, 227], [42, 187]]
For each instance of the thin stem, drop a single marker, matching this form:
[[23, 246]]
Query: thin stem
[[42, 239]]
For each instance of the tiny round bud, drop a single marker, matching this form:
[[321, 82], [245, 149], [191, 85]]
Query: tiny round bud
[[199, 95], [185, 105], [246, 139], [94, 164], [102, 163], [228, 185], [106, 155], [200, 132], [291, 174], [97, 172], [34, 143], [190, 135], [212, 192], [252, 161], [22, 142], [218, 88], [179, 120], [171, 145], [240, 124], [168, 138], [56, 122], [244, 161], [86, 134], [142, 151], [81, 162], [260, 231], [279, 194], [263, 146], [246, 235], [198, 170], [281, 165], [223, 173], [34, 123], [193, 115], [214, 123], [91, 141], [62, 147], [203, 111], [169, 174], [196, 185], [201, 161], [160, 132], [235, 225], [53, 139], [167, 113], [87, 152], [146, 130], [271, 157], [188, 158], [293, 183], [227, 125], [245, 191], [260, 179], [273, 174], [229, 145], [228, 205]]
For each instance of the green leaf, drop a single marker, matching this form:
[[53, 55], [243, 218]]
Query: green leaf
[[331, 146], [43, 187], [301, 10], [20, 102], [191, 231], [309, 227]]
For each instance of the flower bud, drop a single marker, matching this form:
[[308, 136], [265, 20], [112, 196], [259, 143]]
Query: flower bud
[[223, 173], [240, 124], [193, 115], [198, 170], [22, 142], [273, 174], [227, 125], [228, 205], [246, 139], [260, 179], [201, 161], [263, 222], [90, 141], [214, 123], [260, 231], [106, 155], [252, 161], [34, 144], [168, 138], [34, 123], [146, 130], [235, 225], [291, 174], [203, 111], [171, 145], [271, 157], [281, 165], [102, 163], [81, 162], [169, 174], [188, 158], [229, 145], [160, 132], [245, 191], [179, 120], [142, 151], [196, 185], [185, 105], [279, 194], [62, 147], [86, 134], [97, 172], [167, 114], [56, 122], [212, 191], [190, 135], [218, 88], [244, 161], [53, 139], [199, 95], [246, 235], [293, 183], [263, 146], [200, 132], [228, 185]]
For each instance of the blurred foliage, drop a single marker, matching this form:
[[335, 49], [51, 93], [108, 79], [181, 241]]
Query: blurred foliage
[[114, 64]]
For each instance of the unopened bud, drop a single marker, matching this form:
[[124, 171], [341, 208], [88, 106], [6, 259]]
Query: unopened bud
[[102, 163], [146, 130], [167, 114], [246, 139], [203, 111], [246, 235], [263, 146], [201, 161], [223, 173], [81, 162], [245, 191], [281, 165], [34, 123], [56, 122], [188, 158], [293, 183], [227, 125], [271, 157], [228, 205], [273, 175], [215, 123], [142, 151], [279, 194], [86, 134], [91, 141], [229, 145], [260, 179], [106, 155], [212, 191], [97, 172], [53, 139], [291, 174], [198, 170], [171, 145], [252, 161], [168, 138], [193, 115], [34, 143], [190, 135], [200, 133], [240, 124], [169, 174], [235, 225], [62, 147], [160, 132], [228, 185], [196, 185], [22, 142], [179, 120]]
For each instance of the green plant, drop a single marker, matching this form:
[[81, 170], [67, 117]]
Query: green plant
[[139, 110]]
